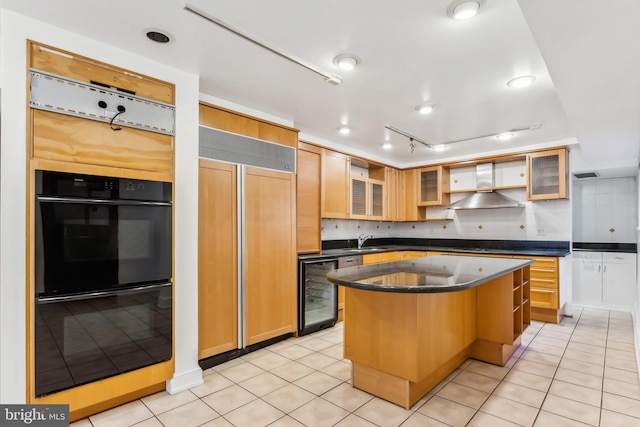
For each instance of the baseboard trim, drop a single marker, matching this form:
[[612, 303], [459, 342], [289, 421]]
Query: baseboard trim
[[184, 381]]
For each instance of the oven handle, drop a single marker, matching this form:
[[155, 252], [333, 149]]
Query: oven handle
[[54, 199], [117, 292]]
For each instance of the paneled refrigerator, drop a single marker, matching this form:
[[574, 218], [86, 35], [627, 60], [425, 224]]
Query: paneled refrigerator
[[247, 245]]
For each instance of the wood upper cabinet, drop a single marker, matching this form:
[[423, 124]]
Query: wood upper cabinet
[[367, 198], [66, 140], [270, 253], [335, 184], [393, 197], [70, 139], [234, 122], [434, 182], [217, 258], [368, 192], [308, 198], [67, 64], [409, 188], [547, 173]]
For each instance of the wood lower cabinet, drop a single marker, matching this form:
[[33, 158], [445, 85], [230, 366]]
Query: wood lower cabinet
[[308, 198], [217, 258], [402, 344], [381, 257], [413, 254], [545, 289]]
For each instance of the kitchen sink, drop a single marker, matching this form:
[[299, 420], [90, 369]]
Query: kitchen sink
[[365, 250]]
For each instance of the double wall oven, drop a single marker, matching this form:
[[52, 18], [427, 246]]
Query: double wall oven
[[103, 267]]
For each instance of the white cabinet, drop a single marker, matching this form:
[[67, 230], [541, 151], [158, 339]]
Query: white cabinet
[[587, 278], [604, 279], [618, 278]]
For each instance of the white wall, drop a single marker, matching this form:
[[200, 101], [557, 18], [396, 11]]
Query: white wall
[[635, 311], [15, 29]]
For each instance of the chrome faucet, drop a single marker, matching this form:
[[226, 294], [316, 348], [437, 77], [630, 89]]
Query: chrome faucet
[[362, 238]]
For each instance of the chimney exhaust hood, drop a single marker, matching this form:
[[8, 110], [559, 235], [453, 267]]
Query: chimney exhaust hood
[[485, 199]]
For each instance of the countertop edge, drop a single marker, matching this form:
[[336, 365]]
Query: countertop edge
[[426, 289], [395, 248]]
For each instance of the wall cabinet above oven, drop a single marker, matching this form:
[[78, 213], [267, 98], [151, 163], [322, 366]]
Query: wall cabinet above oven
[[73, 137]]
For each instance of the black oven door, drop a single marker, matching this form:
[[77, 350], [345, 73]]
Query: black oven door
[[84, 338], [85, 245]]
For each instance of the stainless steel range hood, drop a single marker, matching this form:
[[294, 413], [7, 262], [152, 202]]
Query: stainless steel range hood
[[485, 199]]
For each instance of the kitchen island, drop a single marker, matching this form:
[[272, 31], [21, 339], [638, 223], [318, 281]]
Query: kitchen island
[[409, 324]]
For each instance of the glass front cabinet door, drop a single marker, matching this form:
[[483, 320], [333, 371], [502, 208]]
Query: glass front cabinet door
[[434, 186], [547, 175]]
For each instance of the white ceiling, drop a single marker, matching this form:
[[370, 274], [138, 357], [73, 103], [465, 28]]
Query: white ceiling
[[585, 55]]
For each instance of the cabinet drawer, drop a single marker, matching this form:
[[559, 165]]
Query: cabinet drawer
[[544, 273], [618, 257], [544, 297], [544, 282], [412, 254], [545, 263], [381, 257]]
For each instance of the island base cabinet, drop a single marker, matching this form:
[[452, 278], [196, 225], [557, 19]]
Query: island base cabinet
[[402, 344], [400, 390]]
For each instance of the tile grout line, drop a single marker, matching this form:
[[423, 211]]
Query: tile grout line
[[556, 370]]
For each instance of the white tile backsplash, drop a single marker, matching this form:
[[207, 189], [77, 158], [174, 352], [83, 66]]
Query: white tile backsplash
[[602, 205], [550, 220]]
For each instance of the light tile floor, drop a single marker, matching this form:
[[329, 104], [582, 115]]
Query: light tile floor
[[582, 372]]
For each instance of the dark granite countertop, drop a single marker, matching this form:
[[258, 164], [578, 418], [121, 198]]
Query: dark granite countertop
[[493, 247], [440, 273], [605, 247]]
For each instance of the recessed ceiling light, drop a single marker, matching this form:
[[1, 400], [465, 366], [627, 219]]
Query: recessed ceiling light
[[521, 81], [346, 61], [465, 10], [157, 35], [439, 147], [387, 146], [344, 130], [425, 109], [505, 136]]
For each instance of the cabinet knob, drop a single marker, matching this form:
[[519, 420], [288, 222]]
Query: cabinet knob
[[612, 229]]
